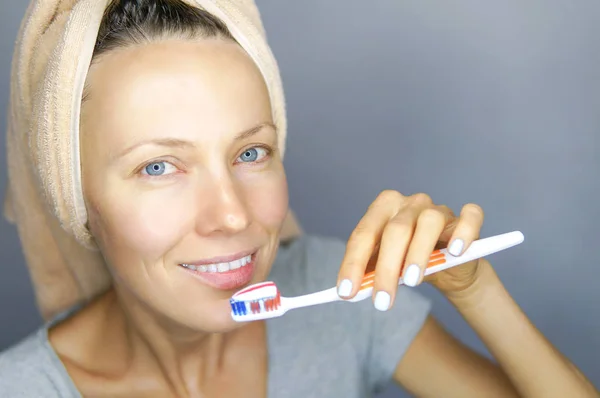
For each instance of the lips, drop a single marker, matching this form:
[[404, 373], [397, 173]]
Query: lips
[[224, 275]]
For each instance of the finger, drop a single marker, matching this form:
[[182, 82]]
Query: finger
[[451, 223], [363, 241], [467, 229], [430, 224], [394, 244]]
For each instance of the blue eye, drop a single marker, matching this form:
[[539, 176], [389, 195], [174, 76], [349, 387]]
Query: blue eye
[[157, 169], [253, 154]]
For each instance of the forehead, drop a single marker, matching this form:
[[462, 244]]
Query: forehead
[[172, 84]]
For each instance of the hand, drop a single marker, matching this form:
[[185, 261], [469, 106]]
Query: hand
[[396, 237]]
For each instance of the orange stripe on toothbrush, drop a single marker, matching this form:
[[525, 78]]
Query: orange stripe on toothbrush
[[436, 258], [436, 262], [366, 286], [367, 281], [436, 255]]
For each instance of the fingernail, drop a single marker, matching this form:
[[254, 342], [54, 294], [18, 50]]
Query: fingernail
[[456, 247], [345, 288], [382, 301], [412, 274]]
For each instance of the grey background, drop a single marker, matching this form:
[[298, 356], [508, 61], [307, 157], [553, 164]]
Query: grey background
[[489, 102]]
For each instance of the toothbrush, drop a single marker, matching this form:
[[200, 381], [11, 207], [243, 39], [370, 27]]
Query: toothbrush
[[263, 300]]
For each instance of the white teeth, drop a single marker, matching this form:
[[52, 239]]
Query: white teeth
[[237, 263], [223, 267], [220, 267]]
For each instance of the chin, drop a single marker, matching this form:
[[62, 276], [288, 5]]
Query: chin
[[218, 320]]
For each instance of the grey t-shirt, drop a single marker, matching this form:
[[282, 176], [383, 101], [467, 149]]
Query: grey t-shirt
[[333, 350]]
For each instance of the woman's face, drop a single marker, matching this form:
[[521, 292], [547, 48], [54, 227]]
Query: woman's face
[[183, 181]]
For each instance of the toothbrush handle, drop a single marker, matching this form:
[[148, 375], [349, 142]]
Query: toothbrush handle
[[322, 297], [441, 260], [478, 249]]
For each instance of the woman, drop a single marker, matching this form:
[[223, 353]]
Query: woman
[[181, 172]]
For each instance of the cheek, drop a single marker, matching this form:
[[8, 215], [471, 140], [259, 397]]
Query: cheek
[[147, 223], [267, 199]]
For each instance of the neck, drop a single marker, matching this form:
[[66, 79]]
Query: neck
[[187, 360]]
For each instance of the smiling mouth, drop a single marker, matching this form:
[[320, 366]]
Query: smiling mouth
[[220, 267], [224, 275]]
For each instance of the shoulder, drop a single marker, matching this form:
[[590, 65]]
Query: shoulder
[[21, 359], [27, 369]]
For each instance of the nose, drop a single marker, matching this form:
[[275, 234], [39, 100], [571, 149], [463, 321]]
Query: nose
[[224, 211]]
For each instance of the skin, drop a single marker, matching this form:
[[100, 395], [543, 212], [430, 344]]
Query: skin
[[160, 329], [161, 332]]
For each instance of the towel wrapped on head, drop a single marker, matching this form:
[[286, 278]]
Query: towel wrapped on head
[[44, 197]]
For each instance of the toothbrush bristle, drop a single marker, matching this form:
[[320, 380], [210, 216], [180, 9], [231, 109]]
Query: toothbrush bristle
[[238, 307], [257, 306]]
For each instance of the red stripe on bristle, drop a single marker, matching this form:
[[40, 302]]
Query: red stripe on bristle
[[271, 304]]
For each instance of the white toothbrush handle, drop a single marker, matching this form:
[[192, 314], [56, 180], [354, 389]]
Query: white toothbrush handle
[[322, 297], [478, 249], [442, 260]]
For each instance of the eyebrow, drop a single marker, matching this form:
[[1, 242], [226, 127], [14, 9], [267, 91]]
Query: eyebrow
[[178, 143]]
